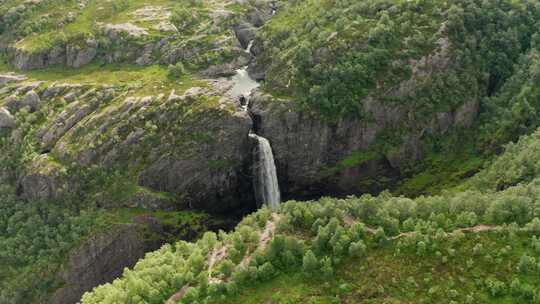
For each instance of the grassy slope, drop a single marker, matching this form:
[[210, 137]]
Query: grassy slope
[[383, 277]]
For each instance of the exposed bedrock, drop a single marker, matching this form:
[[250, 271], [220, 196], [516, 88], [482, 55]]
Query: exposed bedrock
[[193, 147], [316, 158]]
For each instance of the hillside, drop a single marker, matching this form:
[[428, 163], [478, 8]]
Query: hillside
[[465, 247], [368, 151]]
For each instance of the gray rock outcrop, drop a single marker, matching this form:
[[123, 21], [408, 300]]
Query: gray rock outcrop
[[24, 59], [199, 156], [79, 55], [31, 100], [44, 180], [311, 153], [245, 33], [8, 78], [7, 121], [101, 259]]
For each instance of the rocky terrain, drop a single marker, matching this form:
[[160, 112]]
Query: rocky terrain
[[137, 111]]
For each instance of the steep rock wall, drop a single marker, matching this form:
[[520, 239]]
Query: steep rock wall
[[315, 157]]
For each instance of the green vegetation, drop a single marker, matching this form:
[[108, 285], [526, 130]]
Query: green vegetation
[[35, 238], [426, 58], [463, 247], [138, 80], [333, 54], [457, 236]]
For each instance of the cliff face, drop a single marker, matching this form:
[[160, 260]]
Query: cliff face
[[191, 146], [103, 256], [99, 260], [315, 157], [354, 155]]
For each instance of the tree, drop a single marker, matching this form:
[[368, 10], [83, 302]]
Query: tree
[[266, 271], [357, 249], [533, 227], [527, 264], [326, 267], [226, 268], [310, 264]]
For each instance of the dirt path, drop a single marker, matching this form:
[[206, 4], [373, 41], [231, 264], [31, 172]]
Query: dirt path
[[178, 295], [349, 221], [219, 254], [266, 236]]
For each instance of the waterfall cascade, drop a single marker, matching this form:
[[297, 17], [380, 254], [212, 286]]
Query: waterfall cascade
[[265, 182]]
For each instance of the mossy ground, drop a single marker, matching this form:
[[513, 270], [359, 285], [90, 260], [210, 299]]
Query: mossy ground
[[139, 80]]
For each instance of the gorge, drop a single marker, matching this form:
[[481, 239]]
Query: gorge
[[269, 151]]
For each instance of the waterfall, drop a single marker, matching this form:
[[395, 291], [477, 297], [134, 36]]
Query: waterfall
[[266, 181], [249, 47]]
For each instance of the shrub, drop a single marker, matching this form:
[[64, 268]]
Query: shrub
[[357, 249], [176, 71], [527, 264], [266, 271], [533, 227], [535, 244], [226, 268], [326, 267], [310, 264], [495, 287]]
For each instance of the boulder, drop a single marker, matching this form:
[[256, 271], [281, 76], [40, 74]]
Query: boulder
[[245, 33], [31, 100], [8, 78], [7, 121], [79, 55], [12, 103], [44, 181]]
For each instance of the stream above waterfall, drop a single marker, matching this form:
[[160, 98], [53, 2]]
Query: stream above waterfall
[[243, 83]]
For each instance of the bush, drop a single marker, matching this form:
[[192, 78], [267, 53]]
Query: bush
[[535, 244], [533, 227], [226, 268], [357, 249], [527, 264], [310, 264], [266, 271], [495, 287], [176, 71], [326, 267]]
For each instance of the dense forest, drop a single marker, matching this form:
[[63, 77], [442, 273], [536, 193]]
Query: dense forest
[[269, 151]]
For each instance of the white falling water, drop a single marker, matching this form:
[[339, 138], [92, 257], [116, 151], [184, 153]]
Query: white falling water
[[250, 46], [266, 181], [243, 83]]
